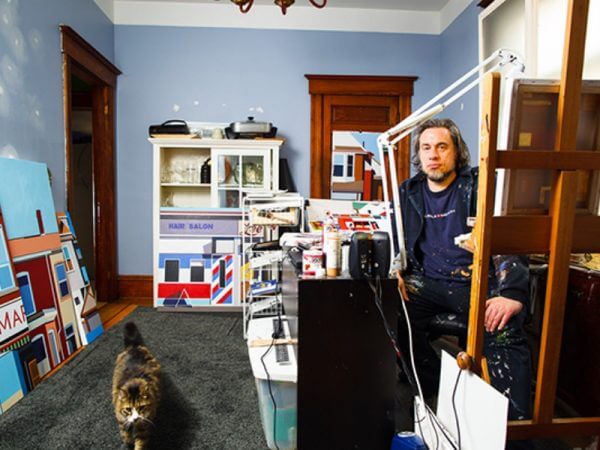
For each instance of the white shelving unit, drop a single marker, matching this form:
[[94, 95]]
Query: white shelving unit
[[196, 225], [263, 214]]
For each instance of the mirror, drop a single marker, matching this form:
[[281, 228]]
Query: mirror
[[355, 166]]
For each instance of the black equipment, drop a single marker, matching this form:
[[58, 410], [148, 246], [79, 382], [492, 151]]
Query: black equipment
[[369, 255], [169, 127]]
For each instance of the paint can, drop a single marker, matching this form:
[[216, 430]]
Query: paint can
[[311, 261], [407, 440]]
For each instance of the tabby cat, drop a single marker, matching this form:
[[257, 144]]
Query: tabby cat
[[135, 389]]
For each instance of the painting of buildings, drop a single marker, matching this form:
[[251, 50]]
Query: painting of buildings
[[39, 321], [83, 298], [355, 169]]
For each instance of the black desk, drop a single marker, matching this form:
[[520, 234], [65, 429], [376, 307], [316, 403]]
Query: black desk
[[346, 364]]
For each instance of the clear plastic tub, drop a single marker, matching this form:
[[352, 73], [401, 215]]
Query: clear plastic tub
[[285, 418]]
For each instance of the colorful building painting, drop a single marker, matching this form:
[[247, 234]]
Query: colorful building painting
[[88, 320], [355, 169], [13, 387], [201, 266], [14, 331], [39, 320]]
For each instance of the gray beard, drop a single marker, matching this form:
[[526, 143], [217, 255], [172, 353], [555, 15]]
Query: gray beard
[[439, 177]]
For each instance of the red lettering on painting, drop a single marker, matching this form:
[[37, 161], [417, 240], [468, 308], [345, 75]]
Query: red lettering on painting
[[5, 324], [16, 318]]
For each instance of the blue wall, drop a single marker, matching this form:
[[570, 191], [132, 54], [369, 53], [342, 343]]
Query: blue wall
[[31, 97], [459, 54], [229, 71]]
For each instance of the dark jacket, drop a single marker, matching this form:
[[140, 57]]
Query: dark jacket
[[511, 271]]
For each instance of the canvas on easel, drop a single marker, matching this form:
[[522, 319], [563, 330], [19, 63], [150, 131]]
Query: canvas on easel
[[531, 125]]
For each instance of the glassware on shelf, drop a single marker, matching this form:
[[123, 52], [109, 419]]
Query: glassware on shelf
[[191, 172], [169, 200], [179, 172]]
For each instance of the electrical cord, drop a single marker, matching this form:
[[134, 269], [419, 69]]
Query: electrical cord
[[413, 380], [270, 390], [428, 412], [454, 406]]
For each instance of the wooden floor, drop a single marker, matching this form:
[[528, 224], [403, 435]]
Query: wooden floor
[[112, 313]]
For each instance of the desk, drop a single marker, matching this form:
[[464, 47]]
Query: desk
[[346, 364]]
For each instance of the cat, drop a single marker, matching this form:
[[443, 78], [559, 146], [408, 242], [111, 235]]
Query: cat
[[135, 389]]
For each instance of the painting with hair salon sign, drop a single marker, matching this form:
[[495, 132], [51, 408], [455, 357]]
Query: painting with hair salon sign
[[40, 322], [355, 166]]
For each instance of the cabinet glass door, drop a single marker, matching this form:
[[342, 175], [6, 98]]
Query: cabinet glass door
[[239, 172]]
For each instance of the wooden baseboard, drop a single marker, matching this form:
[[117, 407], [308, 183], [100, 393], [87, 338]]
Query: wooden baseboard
[[135, 286]]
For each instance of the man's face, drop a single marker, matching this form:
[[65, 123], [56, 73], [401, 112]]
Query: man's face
[[437, 154]]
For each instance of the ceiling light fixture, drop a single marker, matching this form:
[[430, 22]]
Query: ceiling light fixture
[[245, 5]]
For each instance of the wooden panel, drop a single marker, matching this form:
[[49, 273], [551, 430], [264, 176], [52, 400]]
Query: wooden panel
[[316, 146], [343, 114], [562, 211], [135, 286], [79, 49], [561, 237], [512, 234], [485, 208], [577, 426], [104, 182], [569, 95], [364, 85], [539, 159]]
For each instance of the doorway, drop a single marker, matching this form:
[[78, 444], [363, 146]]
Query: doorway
[[89, 85], [355, 105], [81, 205]]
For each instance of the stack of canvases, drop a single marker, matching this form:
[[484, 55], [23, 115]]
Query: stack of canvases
[[47, 306]]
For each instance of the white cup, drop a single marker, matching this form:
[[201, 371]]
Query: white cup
[[217, 133]]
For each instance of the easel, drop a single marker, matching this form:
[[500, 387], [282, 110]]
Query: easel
[[559, 234]]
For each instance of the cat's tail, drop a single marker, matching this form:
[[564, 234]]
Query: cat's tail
[[132, 335]]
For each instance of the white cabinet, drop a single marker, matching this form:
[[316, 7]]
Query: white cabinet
[[197, 222]]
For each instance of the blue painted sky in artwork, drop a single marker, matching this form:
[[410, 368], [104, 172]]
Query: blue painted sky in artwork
[[24, 189]]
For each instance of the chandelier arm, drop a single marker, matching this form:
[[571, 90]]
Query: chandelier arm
[[245, 7], [318, 5]]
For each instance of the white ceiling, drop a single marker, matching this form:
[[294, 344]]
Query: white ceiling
[[405, 5], [381, 16]]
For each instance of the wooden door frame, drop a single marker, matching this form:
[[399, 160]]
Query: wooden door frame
[[325, 88], [80, 57]]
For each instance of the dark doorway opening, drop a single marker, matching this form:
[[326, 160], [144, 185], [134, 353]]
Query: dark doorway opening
[[89, 87], [81, 206]]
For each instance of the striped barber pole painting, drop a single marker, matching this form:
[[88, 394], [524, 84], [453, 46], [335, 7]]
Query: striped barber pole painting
[[222, 280]]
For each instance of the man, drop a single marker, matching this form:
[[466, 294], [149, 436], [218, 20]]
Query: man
[[435, 205]]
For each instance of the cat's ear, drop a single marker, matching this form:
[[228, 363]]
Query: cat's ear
[[123, 394]]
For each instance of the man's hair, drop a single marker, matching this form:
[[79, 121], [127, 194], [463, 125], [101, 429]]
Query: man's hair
[[463, 158]]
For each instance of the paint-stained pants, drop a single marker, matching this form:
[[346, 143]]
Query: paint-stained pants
[[507, 352]]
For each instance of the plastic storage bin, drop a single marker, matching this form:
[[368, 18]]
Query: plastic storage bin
[[279, 425], [279, 421]]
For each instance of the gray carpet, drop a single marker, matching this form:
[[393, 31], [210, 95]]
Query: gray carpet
[[209, 398]]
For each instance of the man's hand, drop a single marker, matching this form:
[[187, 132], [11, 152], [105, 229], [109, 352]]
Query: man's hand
[[498, 311], [402, 286]]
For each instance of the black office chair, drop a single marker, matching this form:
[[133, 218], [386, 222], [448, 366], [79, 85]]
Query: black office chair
[[449, 324]]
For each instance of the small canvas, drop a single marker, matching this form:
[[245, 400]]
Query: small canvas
[[481, 409]]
